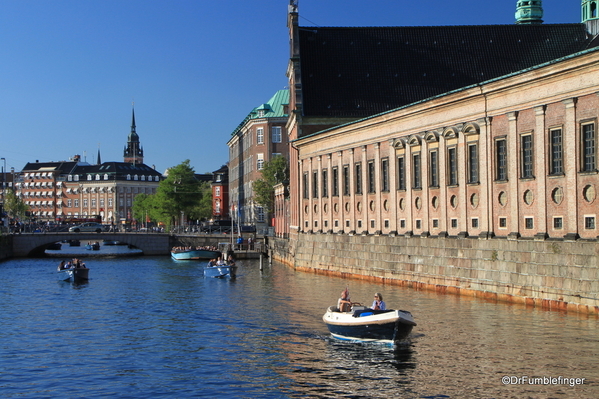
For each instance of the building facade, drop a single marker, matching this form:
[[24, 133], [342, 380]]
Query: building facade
[[61, 191], [220, 194], [473, 147], [260, 137]]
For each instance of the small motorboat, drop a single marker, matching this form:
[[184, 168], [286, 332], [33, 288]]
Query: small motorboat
[[54, 246], [363, 324], [93, 246], [193, 254], [220, 271], [70, 271]]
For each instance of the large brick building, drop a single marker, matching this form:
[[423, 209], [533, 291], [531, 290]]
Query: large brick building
[[260, 137], [446, 131]]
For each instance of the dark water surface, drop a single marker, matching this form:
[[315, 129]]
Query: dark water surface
[[151, 327]]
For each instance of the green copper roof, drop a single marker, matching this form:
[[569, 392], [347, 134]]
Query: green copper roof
[[274, 108]]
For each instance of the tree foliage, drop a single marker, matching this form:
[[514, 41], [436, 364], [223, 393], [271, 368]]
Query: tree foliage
[[179, 194], [13, 205], [274, 172]]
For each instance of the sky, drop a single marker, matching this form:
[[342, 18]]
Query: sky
[[71, 71]]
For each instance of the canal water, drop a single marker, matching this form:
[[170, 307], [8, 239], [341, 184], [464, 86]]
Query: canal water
[[150, 327]]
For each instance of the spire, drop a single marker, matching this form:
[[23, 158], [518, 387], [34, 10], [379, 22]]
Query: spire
[[133, 153], [133, 121], [529, 12], [99, 159]]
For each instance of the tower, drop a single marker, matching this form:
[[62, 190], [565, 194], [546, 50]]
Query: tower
[[133, 152], [529, 12], [589, 10]]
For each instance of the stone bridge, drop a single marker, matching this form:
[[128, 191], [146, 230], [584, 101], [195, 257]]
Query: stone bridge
[[35, 243]]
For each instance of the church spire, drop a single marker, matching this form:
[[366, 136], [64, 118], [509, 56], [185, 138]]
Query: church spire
[[529, 12], [133, 152]]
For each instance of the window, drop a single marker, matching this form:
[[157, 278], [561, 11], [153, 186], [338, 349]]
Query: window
[[101, 202], [325, 182], [260, 161], [454, 223], [502, 223], [556, 152], [371, 178], [417, 171], [260, 135], [85, 203], [385, 175], [110, 202], [335, 182], [589, 222], [452, 165], [474, 223], [434, 168], [501, 159], [89, 177], [418, 224], [588, 148], [358, 178], [305, 184], [276, 134], [76, 203], [402, 223], [217, 191], [435, 223], [260, 214], [558, 223], [315, 184], [401, 173], [529, 223], [346, 180], [69, 203], [473, 163], [527, 154]]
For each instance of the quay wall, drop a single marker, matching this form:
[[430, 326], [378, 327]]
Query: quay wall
[[5, 246], [561, 275]]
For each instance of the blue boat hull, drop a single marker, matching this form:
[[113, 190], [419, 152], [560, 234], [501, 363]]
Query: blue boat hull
[[219, 271]]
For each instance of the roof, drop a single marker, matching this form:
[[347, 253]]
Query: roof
[[118, 169], [61, 166], [274, 108], [359, 72]]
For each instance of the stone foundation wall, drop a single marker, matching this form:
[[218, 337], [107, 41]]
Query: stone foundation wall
[[5, 246], [551, 274]]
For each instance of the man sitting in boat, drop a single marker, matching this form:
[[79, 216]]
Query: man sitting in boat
[[344, 303], [378, 303]]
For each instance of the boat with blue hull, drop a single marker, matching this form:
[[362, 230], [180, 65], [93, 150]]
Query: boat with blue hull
[[221, 271], [74, 272], [362, 324], [194, 254]]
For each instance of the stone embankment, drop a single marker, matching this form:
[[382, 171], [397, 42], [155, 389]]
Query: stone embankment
[[559, 275]]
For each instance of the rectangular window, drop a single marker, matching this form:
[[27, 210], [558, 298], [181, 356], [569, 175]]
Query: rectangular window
[[529, 223], [402, 223], [260, 135], [527, 156], [558, 223], [260, 162], [101, 202], [452, 167], [371, 178], [502, 223], [110, 202], [85, 203], [589, 157], [372, 223], [359, 224], [385, 175], [589, 222], [418, 224], [358, 178], [93, 202], [417, 171], [435, 223], [69, 203], [76, 203], [473, 163], [217, 191], [325, 182], [305, 184], [454, 223], [401, 173], [335, 182], [386, 223], [501, 159], [315, 184], [434, 168], [276, 134], [346, 180], [556, 152], [474, 223], [260, 214], [347, 223]]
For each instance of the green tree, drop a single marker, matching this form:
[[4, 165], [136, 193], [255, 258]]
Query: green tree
[[13, 205], [179, 194], [203, 210], [274, 172]]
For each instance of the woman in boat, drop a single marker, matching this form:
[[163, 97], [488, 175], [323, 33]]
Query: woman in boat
[[378, 303]]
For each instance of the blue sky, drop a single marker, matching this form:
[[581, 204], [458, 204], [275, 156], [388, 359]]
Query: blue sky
[[70, 70]]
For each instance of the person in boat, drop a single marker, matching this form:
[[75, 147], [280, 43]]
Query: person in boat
[[230, 260], [212, 263], [344, 303], [220, 262], [378, 303], [62, 265]]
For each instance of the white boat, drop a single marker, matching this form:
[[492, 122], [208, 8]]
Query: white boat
[[220, 271], [363, 324], [73, 273]]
